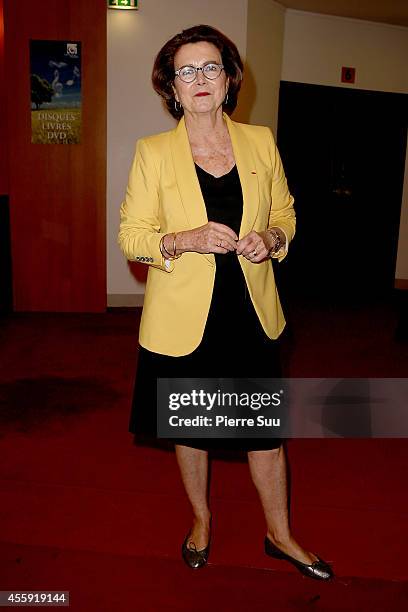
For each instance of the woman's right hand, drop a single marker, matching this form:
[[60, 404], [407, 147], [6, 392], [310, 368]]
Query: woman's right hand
[[209, 238]]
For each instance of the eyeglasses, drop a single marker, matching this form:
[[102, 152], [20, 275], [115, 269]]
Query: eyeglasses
[[188, 74]]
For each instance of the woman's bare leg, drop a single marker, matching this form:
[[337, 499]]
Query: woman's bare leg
[[193, 464], [268, 471]]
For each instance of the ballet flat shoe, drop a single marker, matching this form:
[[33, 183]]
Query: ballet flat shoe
[[194, 558], [319, 570]]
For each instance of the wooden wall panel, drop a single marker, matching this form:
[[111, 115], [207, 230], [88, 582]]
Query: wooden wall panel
[[3, 122], [57, 192]]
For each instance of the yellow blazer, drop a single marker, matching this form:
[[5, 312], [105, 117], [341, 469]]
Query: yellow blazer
[[163, 196]]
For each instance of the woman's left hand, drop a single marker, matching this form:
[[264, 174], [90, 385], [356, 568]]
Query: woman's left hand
[[255, 246]]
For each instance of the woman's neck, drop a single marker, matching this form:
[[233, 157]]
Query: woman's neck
[[203, 127]]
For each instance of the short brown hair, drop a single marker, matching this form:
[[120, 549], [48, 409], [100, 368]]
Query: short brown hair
[[163, 69]]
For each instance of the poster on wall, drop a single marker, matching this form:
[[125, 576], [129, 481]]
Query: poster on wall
[[55, 73]]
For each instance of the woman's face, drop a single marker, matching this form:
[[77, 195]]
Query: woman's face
[[201, 95]]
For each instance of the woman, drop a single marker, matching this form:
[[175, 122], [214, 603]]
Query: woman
[[206, 207]]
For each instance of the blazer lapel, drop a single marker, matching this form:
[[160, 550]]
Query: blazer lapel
[[247, 173], [187, 181]]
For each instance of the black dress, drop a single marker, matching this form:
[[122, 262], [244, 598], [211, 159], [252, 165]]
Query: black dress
[[234, 344]]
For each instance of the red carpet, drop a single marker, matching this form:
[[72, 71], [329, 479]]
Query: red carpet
[[82, 509], [108, 582]]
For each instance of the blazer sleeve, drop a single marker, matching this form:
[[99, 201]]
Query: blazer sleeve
[[139, 231], [282, 213]]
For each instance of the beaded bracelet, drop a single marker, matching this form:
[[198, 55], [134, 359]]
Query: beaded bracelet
[[277, 242]]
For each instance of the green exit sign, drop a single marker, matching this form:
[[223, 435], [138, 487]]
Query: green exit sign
[[122, 4]]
